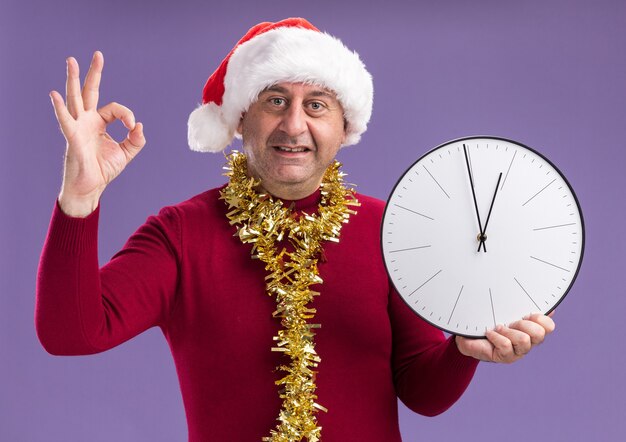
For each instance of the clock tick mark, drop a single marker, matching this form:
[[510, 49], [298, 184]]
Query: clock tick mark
[[549, 263], [544, 188], [529, 297], [493, 313], [425, 282], [508, 170], [431, 175], [455, 303], [410, 248], [555, 226], [413, 211]]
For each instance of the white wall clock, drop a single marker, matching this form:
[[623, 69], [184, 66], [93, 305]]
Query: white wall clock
[[481, 231]]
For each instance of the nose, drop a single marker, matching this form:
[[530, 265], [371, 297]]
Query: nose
[[294, 121]]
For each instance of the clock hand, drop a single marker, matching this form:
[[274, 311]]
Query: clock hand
[[469, 172], [483, 235]]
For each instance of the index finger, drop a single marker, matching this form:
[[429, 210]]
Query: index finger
[[91, 88]]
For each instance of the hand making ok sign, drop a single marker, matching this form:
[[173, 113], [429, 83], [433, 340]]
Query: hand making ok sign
[[92, 158]]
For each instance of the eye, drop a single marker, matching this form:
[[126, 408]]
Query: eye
[[316, 106], [277, 101]]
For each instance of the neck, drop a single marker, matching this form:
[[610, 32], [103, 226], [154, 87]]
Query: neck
[[288, 193]]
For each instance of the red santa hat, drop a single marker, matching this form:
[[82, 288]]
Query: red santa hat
[[291, 50]]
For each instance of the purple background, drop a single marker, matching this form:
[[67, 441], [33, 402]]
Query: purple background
[[550, 74]]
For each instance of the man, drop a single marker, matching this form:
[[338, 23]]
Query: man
[[293, 365]]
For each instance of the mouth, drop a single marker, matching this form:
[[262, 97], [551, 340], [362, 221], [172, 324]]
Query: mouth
[[292, 149]]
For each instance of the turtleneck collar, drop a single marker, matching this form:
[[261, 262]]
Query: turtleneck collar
[[308, 204]]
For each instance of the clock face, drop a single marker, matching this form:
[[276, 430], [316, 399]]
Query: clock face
[[482, 231]]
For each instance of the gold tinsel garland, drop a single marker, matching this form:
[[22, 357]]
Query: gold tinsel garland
[[264, 222]]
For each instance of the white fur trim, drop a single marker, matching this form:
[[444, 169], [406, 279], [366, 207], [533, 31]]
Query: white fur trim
[[206, 129], [287, 54]]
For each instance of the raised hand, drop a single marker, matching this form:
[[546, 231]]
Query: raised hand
[[507, 344], [92, 157]]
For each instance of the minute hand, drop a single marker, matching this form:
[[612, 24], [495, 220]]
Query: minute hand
[[480, 227], [482, 236]]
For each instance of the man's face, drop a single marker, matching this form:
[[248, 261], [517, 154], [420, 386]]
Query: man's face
[[291, 134]]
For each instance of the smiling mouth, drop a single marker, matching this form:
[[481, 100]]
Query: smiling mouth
[[291, 149]]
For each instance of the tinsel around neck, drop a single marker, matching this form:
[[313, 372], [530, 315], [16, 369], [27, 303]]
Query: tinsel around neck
[[264, 221]]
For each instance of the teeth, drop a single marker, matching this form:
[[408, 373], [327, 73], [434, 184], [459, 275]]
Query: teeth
[[288, 149]]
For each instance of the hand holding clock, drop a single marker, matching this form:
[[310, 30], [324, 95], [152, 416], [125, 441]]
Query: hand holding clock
[[507, 344]]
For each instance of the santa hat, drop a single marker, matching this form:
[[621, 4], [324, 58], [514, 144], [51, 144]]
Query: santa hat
[[291, 50]]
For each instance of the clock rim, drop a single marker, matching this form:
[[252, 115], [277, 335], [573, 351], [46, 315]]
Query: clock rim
[[492, 137]]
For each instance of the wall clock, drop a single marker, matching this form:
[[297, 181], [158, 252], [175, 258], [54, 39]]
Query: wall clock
[[481, 231]]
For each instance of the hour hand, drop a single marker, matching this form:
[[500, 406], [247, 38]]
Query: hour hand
[[483, 235]]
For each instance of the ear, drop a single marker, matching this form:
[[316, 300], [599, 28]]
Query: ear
[[345, 131], [240, 125]]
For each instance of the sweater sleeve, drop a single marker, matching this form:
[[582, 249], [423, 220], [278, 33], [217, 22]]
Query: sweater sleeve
[[430, 374], [83, 309]]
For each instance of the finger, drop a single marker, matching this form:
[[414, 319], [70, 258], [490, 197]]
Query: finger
[[520, 341], [62, 114], [91, 88], [536, 331], [134, 141], [115, 111], [72, 88], [480, 349], [545, 321], [503, 348]]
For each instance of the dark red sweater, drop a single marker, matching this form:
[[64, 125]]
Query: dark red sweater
[[185, 272]]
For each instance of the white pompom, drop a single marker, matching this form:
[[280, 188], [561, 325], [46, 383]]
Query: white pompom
[[206, 129]]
